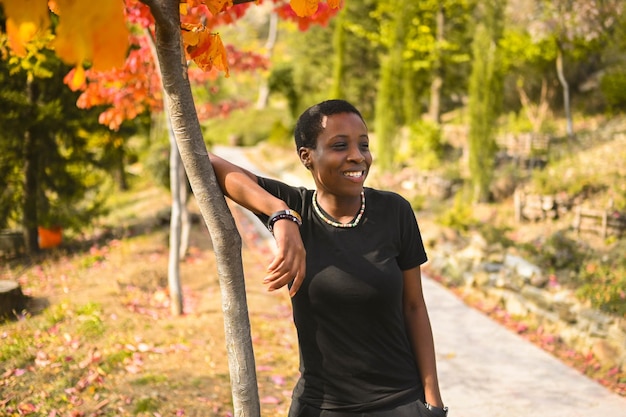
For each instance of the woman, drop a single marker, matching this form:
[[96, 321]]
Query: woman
[[351, 258]]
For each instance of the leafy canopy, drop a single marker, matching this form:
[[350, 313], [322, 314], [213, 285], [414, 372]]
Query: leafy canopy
[[98, 37]]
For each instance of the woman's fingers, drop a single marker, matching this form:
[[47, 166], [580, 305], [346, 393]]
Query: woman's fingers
[[289, 264]]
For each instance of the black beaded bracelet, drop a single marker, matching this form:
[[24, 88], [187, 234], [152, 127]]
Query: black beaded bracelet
[[289, 214]]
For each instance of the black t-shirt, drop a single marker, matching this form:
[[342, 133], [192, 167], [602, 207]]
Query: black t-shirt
[[354, 351]]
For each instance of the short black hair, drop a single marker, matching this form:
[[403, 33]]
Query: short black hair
[[309, 125]]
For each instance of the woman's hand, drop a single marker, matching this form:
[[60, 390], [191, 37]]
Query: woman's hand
[[289, 263]]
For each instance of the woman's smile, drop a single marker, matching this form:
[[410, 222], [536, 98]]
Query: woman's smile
[[342, 153]]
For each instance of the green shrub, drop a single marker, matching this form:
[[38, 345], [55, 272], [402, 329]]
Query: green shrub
[[461, 215], [603, 283], [426, 146], [613, 86], [556, 252], [495, 234]]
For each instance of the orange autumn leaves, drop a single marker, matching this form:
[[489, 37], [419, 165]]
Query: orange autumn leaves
[[309, 7], [204, 48], [96, 34], [85, 34]]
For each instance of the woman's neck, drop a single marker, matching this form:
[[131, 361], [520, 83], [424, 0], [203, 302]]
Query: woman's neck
[[343, 210]]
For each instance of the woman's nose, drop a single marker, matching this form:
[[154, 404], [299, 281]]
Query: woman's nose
[[356, 154]]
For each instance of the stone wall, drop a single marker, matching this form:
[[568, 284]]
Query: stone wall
[[524, 290]]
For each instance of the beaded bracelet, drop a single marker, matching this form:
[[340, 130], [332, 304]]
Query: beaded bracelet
[[284, 214]]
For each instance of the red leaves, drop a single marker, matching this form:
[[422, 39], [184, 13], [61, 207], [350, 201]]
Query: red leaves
[[204, 48]]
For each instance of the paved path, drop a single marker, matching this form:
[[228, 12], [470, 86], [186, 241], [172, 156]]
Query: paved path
[[487, 371]]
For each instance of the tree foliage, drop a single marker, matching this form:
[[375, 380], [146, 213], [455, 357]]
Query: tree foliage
[[485, 97], [55, 157]]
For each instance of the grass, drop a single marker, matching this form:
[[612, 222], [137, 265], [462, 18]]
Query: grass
[[100, 339]]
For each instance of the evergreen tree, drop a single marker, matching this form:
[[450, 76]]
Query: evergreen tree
[[485, 97], [389, 112], [53, 158]]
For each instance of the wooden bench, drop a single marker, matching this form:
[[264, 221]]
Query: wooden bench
[[603, 222]]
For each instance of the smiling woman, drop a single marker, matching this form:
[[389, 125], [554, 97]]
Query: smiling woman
[[350, 256]]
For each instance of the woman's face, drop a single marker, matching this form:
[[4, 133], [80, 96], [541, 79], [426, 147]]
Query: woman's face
[[341, 160]]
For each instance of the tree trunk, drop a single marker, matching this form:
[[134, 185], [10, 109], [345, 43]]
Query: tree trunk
[[264, 89], [12, 300], [566, 100], [221, 225], [179, 215], [185, 216], [31, 170], [173, 272], [122, 179], [434, 107], [339, 40]]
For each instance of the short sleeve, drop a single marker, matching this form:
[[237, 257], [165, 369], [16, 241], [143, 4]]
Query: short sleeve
[[412, 252]]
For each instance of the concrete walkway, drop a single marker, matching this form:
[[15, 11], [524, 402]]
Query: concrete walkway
[[487, 371]]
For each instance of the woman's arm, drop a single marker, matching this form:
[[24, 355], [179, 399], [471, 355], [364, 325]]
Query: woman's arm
[[241, 186], [420, 334]]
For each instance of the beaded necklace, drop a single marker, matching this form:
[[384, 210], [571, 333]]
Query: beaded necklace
[[333, 223]]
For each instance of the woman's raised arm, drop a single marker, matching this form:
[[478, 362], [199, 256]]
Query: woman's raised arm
[[241, 186]]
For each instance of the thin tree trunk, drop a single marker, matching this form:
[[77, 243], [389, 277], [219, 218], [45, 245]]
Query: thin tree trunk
[[185, 217], [177, 208], [434, 107], [173, 271], [566, 100], [339, 39], [220, 223], [31, 169], [536, 113], [264, 89], [121, 168]]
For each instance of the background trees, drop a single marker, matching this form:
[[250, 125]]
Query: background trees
[[55, 157], [365, 56]]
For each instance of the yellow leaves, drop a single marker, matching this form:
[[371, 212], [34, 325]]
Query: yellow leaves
[[216, 6], [204, 48], [76, 78], [305, 8], [89, 33], [25, 20]]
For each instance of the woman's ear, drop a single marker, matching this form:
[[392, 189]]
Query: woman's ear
[[305, 157]]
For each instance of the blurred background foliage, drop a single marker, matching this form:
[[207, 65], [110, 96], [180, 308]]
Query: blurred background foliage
[[438, 82]]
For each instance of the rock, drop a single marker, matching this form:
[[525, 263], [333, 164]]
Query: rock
[[521, 266], [605, 352], [12, 300]]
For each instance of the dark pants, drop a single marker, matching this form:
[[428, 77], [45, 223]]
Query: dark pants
[[413, 409]]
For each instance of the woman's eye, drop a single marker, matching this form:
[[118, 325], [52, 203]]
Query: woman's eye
[[339, 146], [365, 145]]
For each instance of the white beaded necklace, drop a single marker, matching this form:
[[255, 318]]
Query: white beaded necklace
[[333, 223]]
